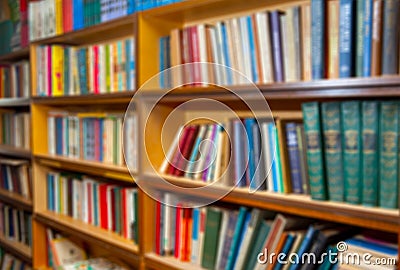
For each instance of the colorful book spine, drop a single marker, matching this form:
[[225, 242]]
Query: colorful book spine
[[367, 38], [351, 131], [333, 150], [318, 39], [213, 224], [279, 75], [390, 45], [388, 154], [359, 39], [370, 150], [294, 157], [346, 38]]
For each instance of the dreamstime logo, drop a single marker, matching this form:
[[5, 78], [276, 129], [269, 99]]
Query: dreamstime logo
[[341, 255], [162, 118]]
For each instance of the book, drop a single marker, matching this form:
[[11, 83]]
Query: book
[[211, 237], [276, 38], [376, 38], [333, 43], [346, 38], [294, 158], [317, 39], [390, 38]]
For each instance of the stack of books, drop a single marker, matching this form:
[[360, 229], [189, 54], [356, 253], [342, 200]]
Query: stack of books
[[8, 261], [16, 177], [15, 129], [15, 224], [14, 80]]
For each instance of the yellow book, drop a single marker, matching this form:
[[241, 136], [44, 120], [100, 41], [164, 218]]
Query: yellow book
[[91, 115], [57, 71], [59, 17]]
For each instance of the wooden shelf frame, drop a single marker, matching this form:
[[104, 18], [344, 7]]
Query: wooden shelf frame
[[15, 102], [16, 200], [153, 261], [15, 151], [89, 99], [19, 250], [91, 234], [15, 55], [120, 173]]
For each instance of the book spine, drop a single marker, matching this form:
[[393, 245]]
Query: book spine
[[333, 149], [346, 39], [388, 154], [351, 129], [213, 223], [367, 36], [359, 31], [390, 46], [276, 46], [333, 44], [318, 39], [294, 157], [370, 128], [376, 38]]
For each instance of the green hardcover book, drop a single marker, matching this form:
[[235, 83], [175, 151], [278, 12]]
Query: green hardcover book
[[388, 144], [351, 132], [314, 148], [370, 129], [257, 246], [333, 150], [211, 237]]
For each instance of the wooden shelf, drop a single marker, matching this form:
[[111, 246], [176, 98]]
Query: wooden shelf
[[15, 55], [89, 99], [15, 102], [120, 173], [154, 261], [116, 28], [18, 249], [14, 151], [91, 234], [357, 215], [388, 86], [15, 200]]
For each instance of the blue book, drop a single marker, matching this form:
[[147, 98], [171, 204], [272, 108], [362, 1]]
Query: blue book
[[304, 246], [128, 63], [285, 250], [294, 157], [101, 129], [318, 39], [374, 246], [59, 135], [50, 189], [346, 38], [226, 54], [195, 230], [248, 123], [131, 6], [236, 238], [367, 27], [82, 59], [239, 153], [162, 61], [276, 40], [77, 6], [253, 54]]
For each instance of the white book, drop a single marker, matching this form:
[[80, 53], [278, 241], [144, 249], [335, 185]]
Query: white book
[[218, 76], [166, 242], [285, 48], [203, 215], [205, 150], [50, 18], [195, 151], [85, 200], [109, 208], [9, 179], [56, 177], [171, 151], [102, 69], [244, 33], [201, 31], [71, 56], [214, 164], [26, 81], [111, 47], [220, 53], [264, 41], [221, 241]]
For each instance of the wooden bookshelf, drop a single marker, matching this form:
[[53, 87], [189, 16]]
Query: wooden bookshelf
[[20, 250], [15, 102], [14, 151], [16, 200], [15, 55], [83, 166], [153, 261], [111, 241]]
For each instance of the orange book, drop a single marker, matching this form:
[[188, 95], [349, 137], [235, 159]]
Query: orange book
[[376, 38], [333, 39], [306, 41], [278, 249]]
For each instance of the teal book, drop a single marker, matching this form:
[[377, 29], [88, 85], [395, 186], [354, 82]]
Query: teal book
[[388, 144], [236, 238], [333, 150], [370, 133], [257, 246], [351, 133], [314, 148]]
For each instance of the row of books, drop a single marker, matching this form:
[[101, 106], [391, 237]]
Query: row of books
[[222, 238], [16, 176], [98, 69], [93, 136], [48, 18], [264, 157], [15, 224], [111, 207], [9, 262], [65, 254], [13, 26], [15, 80], [15, 129], [353, 151]]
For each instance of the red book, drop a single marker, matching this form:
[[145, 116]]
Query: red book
[[187, 236], [96, 69], [23, 8], [177, 154], [124, 213], [49, 82], [187, 149], [158, 228], [195, 55], [103, 206], [178, 229]]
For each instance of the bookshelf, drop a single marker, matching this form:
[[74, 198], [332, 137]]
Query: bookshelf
[[147, 27]]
